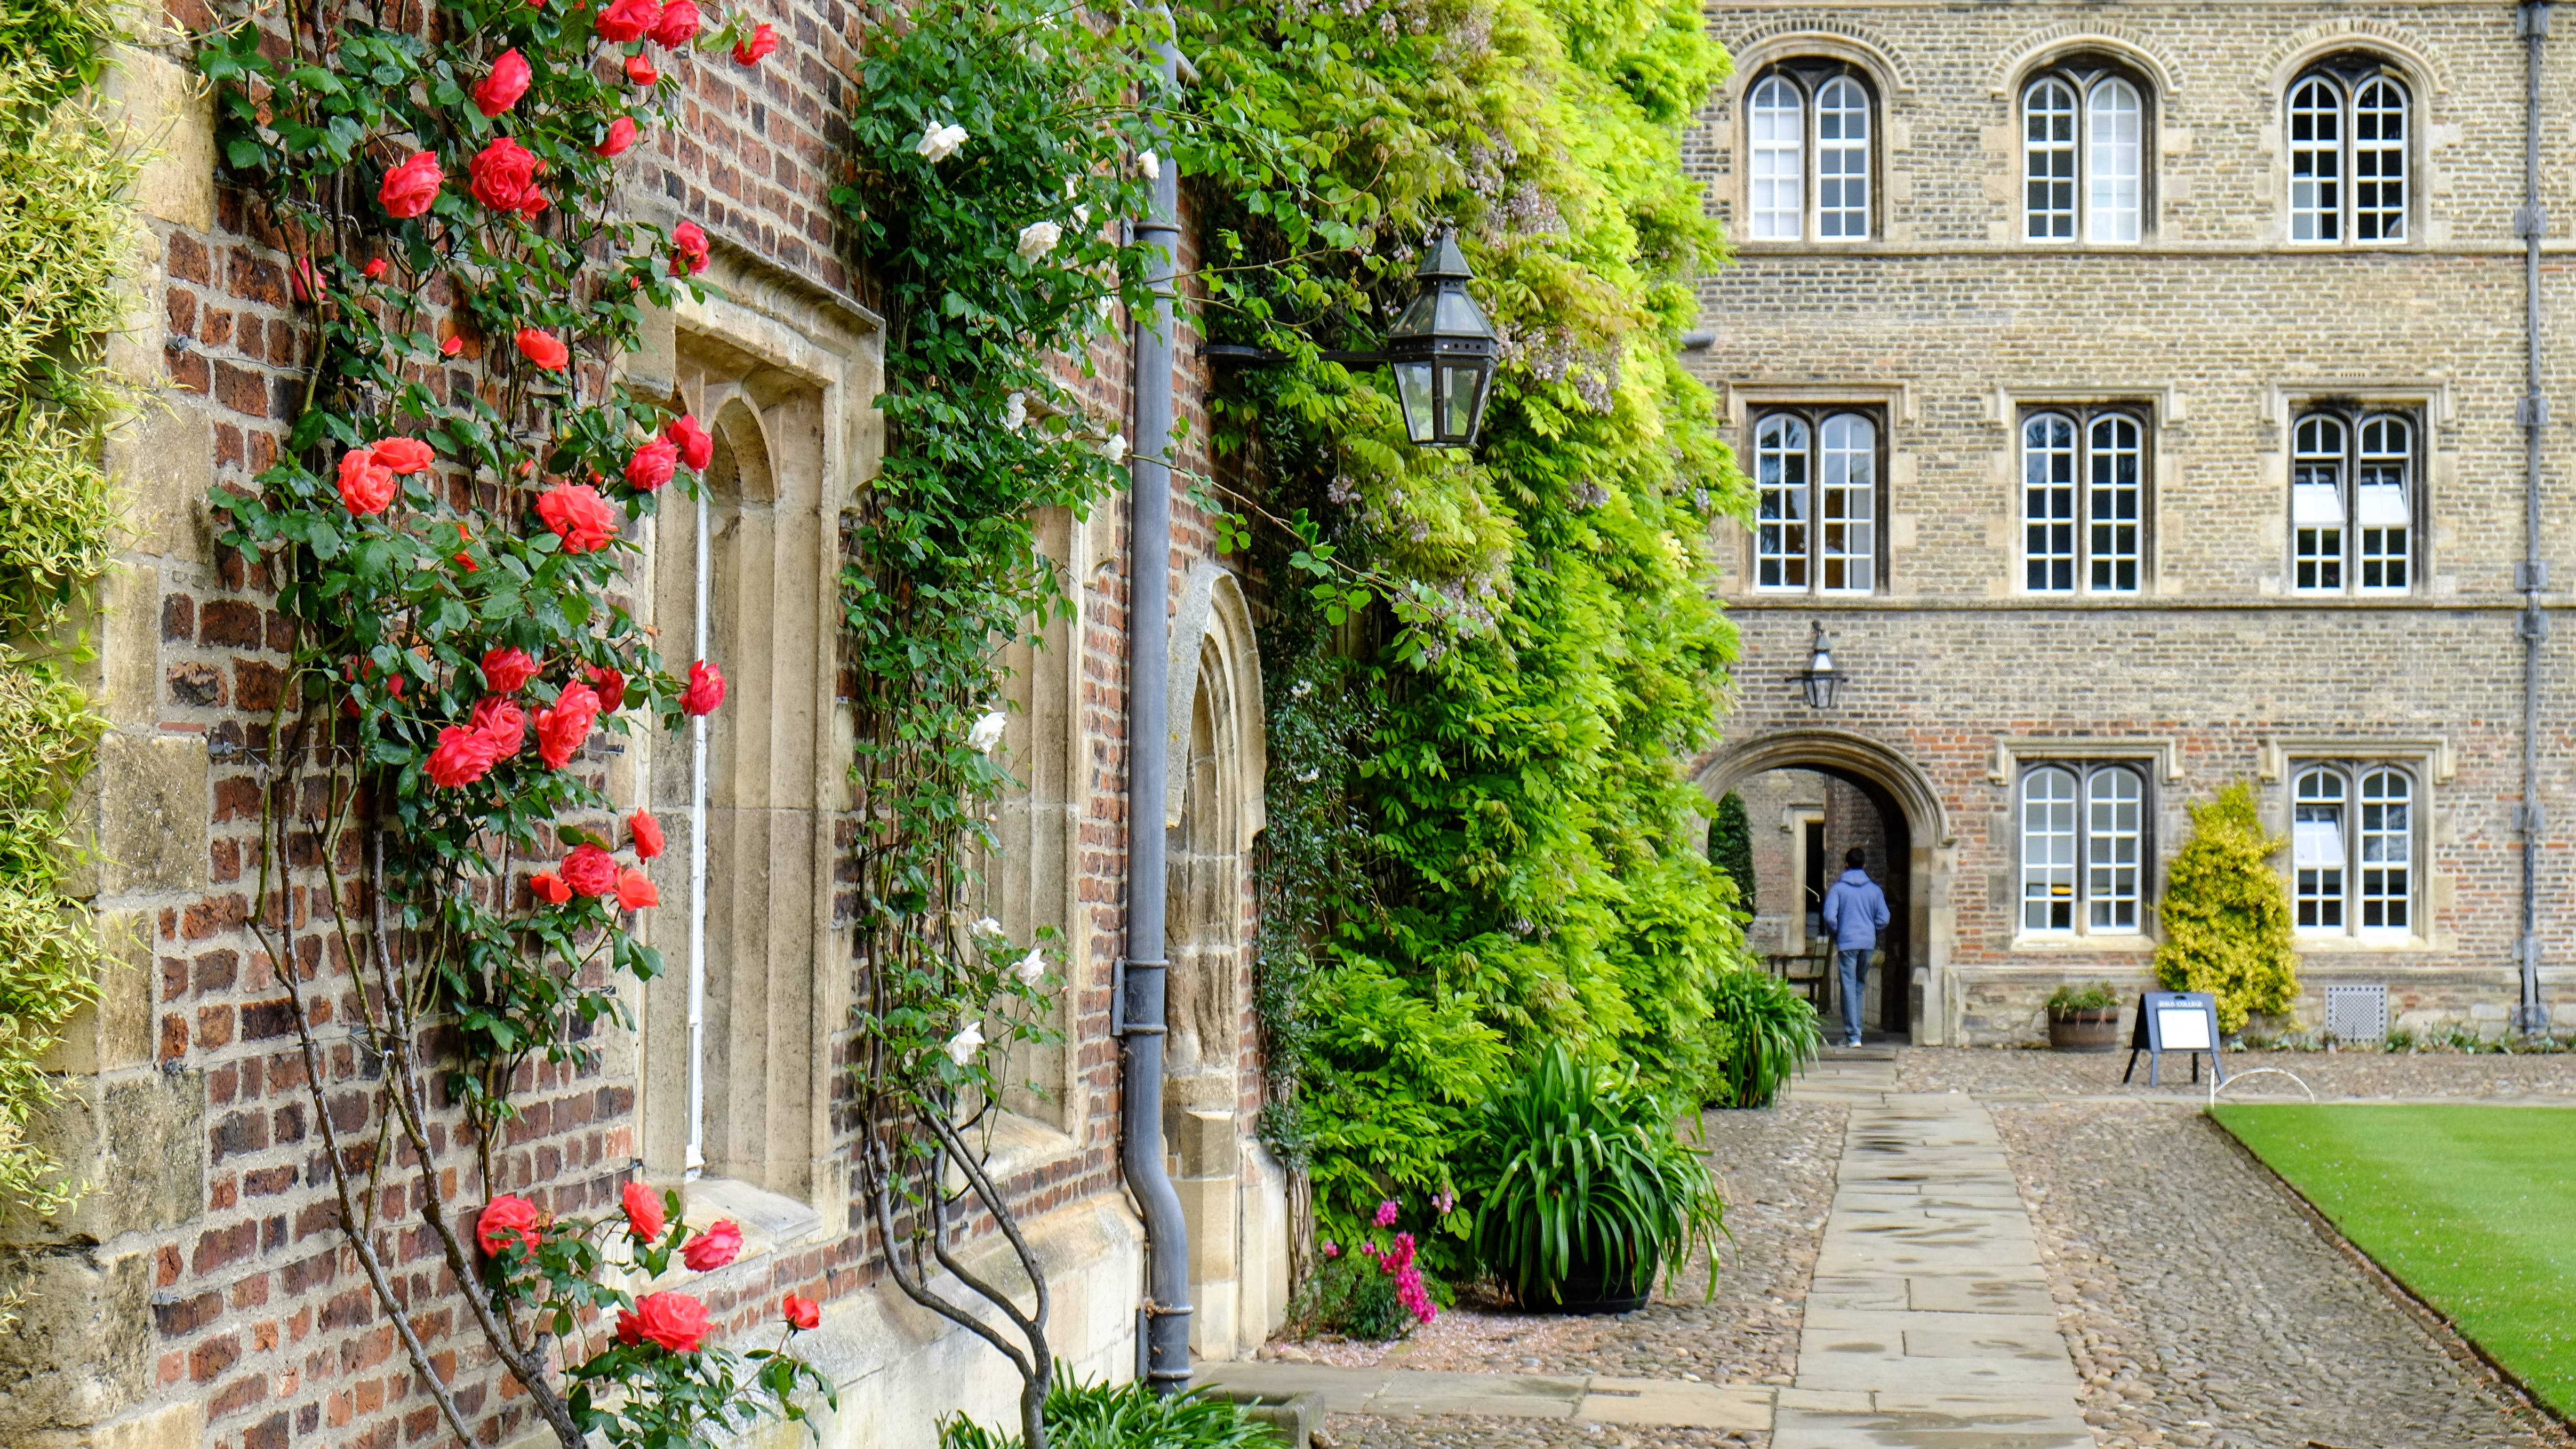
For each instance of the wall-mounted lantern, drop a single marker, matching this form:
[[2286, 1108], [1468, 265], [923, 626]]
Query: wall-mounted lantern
[[1820, 681]]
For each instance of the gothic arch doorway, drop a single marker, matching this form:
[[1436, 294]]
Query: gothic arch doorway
[[1822, 791]]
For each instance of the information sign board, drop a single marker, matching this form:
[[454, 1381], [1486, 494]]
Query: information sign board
[[2175, 1021]]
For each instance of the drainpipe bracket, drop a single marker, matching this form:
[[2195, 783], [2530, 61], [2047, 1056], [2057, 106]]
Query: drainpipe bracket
[[2531, 576], [2531, 411], [2531, 20], [2531, 221], [2532, 624]]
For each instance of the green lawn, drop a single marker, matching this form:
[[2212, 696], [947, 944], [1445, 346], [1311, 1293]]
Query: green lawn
[[2472, 1207]]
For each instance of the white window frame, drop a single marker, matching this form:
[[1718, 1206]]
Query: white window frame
[[2336, 886], [1818, 529], [2077, 828], [2349, 491], [2084, 156], [1811, 139], [2339, 178], [2084, 515]]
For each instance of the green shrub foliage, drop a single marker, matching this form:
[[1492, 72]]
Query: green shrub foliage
[[1484, 667], [1122, 1416], [2227, 919], [1730, 849], [1771, 1035]]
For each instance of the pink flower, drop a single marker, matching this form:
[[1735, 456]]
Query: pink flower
[[562, 728], [706, 691], [621, 134], [652, 465], [800, 1312], [507, 669], [503, 176], [590, 870], [697, 446], [543, 349], [647, 832], [676, 1321], [713, 1248], [502, 88], [1386, 1212], [410, 187], [760, 42], [500, 720], [1332, 1249], [627, 20], [635, 890], [402, 456], [579, 516], [464, 755], [678, 25], [644, 1211], [507, 1219], [688, 249], [367, 486]]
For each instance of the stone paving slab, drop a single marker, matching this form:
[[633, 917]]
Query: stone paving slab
[[1597, 1398]]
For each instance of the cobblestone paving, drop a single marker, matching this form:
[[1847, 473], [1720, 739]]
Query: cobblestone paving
[[1365, 1431], [2207, 1312], [1992, 1071]]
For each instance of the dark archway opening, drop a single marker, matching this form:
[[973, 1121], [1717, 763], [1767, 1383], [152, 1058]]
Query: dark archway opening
[[1804, 818]]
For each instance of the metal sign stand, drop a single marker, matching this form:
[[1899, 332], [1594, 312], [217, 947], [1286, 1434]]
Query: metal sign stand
[[2176, 1021]]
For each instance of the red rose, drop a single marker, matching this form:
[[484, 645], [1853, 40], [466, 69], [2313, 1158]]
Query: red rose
[[501, 721], [627, 20], [503, 176], [542, 349], [688, 249], [502, 88], [697, 445], [561, 729], [547, 886], [506, 1220], [609, 685], [402, 456], [760, 42], [652, 465], [678, 25], [800, 1312], [639, 69], [450, 346], [644, 1211], [590, 870], [579, 516], [676, 1321], [366, 486], [706, 689], [647, 832], [411, 187], [463, 756], [635, 891], [374, 269], [713, 1248], [507, 669], [621, 134]]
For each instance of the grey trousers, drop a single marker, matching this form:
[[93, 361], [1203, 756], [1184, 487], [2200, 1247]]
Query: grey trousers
[[1854, 966]]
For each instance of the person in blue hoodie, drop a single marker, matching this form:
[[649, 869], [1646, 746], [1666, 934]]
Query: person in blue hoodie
[[1855, 912]]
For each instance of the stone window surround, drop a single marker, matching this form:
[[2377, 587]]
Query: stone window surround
[[2157, 405], [2432, 763], [2064, 60], [2428, 401], [1745, 401], [1888, 134], [1808, 75], [2158, 759], [1813, 417], [2337, 65], [2085, 411]]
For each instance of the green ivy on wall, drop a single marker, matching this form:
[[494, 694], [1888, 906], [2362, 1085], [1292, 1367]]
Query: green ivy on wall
[[66, 245]]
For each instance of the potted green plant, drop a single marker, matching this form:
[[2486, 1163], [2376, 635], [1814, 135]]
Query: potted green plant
[[1583, 1191], [2084, 1018]]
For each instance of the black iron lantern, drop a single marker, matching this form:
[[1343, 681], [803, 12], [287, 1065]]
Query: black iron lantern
[[1442, 350], [1820, 682]]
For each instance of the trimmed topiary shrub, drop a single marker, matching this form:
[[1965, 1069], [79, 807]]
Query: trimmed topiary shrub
[[2226, 916], [1730, 849]]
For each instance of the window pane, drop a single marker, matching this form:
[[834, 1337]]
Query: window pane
[[2387, 850], [2383, 505], [1847, 504], [1780, 525], [2048, 850], [2317, 850], [2048, 504], [1779, 170], [2112, 524], [2379, 162], [1842, 160], [2111, 156], [2316, 503], [2048, 161], [2316, 161], [2114, 815]]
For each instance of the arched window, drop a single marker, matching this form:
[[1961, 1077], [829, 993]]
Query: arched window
[[2348, 137], [2083, 500], [2083, 849], [1809, 132], [2352, 502], [2353, 850], [1816, 509], [2083, 155]]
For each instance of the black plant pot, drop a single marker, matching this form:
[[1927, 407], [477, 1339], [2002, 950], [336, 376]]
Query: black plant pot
[[1592, 1286]]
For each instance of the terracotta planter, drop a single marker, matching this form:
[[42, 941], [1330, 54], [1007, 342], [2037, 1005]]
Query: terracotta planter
[[2096, 1030]]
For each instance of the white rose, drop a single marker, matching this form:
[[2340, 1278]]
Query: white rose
[[1039, 238], [1082, 218], [986, 930], [939, 142], [1015, 411], [1032, 968], [963, 1046], [987, 732], [1151, 165], [1115, 450]]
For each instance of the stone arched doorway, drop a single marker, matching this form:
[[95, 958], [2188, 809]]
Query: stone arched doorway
[[1903, 825]]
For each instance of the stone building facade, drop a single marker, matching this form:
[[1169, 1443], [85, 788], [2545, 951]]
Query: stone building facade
[[2133, 390], [201, 1297]]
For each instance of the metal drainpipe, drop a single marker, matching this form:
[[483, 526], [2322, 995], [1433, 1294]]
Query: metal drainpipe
[[2532, 223], [1165, 1314]]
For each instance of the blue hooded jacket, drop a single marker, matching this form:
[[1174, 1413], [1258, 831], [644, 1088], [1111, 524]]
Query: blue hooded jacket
[[1855, 910]]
